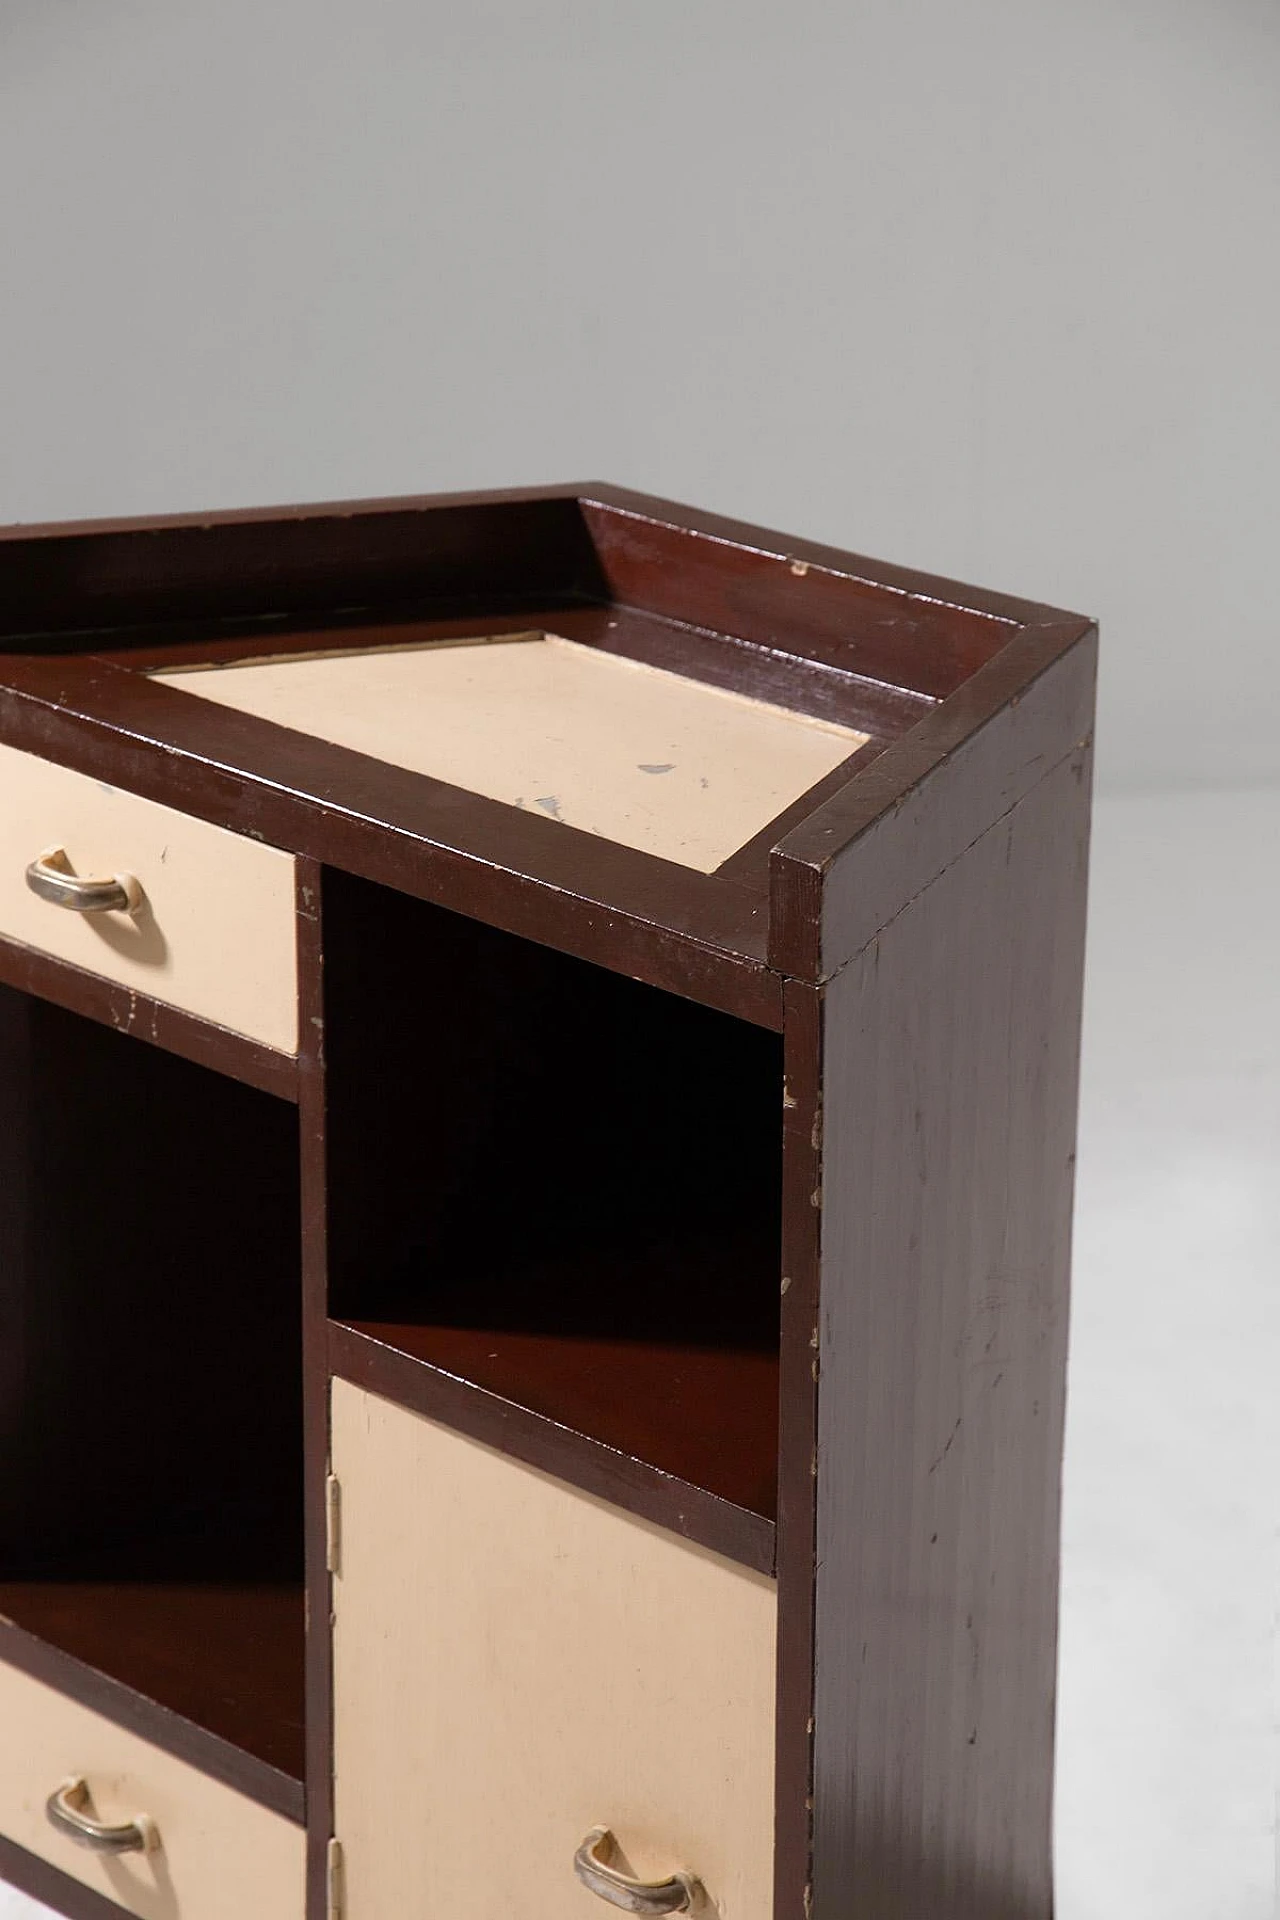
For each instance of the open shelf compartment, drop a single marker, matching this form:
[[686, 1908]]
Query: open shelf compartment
[[151, 1482], [559, 1185]]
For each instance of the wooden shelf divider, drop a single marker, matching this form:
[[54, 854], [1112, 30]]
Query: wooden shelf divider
[[211, 1673], [609, 1421], [78, 991]]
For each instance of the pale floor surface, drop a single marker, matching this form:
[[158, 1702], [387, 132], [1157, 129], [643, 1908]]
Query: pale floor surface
[[1168, 1704], [1171, 1571]]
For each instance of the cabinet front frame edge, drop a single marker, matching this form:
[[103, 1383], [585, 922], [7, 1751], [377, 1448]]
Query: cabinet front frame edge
[[312, 1138], [157, 1022], [702, 936], [629, 1484], [797, 1447]]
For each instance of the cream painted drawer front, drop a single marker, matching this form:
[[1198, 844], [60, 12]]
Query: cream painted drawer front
[[516, 1663], [220, 1855], [216, 933]]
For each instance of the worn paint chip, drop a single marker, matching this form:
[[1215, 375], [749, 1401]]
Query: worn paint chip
[[502, 715]]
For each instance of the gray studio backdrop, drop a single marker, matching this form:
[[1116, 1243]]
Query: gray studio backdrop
[[992, 288]]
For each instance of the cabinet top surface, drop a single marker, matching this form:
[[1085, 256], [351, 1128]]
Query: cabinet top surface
[[664, 728], [616, 747]]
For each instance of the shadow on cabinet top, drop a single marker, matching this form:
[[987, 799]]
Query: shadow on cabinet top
[[676, 732]]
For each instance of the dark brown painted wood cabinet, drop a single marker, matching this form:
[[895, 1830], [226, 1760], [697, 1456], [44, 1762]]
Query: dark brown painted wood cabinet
[[560, 996]]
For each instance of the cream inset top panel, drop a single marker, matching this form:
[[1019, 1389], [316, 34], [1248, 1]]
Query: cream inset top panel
[[618, 748]]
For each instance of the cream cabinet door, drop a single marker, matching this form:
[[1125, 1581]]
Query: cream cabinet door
[[516, 1663]]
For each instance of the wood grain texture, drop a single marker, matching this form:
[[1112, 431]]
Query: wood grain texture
[[950, 1097], [220, 1853], [214, 934], [517, 1663]]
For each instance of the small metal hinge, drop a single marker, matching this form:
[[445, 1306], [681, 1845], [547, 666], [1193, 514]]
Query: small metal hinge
[[333, 1524], [333, 1880]]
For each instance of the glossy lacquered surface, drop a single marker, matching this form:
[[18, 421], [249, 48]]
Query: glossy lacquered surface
[[623, 1176], [90, 611]]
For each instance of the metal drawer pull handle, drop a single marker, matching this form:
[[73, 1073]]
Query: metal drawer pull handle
[[51, 877], [680, 1894], [65, 1808]]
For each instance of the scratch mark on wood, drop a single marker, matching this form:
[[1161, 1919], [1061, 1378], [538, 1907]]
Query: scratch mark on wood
[[947, 1448]]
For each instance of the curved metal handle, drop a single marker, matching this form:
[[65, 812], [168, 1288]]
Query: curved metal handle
[[51, 877], [65, 1808], [680, 1894]]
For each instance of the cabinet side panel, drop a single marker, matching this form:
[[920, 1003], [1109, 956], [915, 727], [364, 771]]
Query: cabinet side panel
[[950, 1077]]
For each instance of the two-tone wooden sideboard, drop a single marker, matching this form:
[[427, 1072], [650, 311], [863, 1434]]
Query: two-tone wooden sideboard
[[538, 1049]]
